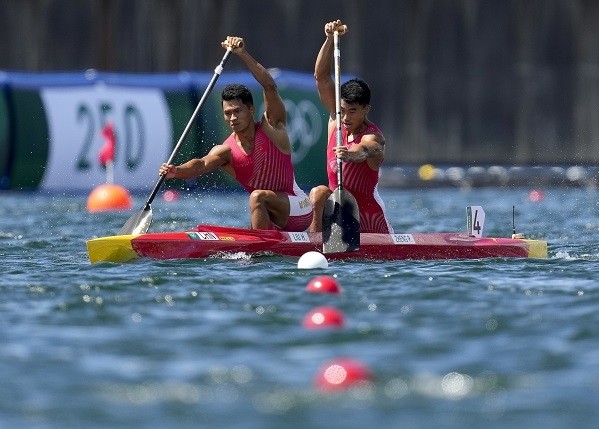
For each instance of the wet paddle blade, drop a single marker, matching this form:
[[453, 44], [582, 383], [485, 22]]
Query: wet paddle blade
[[138, 223], [340, 223]]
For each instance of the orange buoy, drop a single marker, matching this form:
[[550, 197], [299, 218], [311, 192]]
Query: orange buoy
[[108, 197]]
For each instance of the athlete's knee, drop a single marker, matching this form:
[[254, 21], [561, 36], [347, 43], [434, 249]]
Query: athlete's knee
[[258, 197], [263, 198], [319, 194]]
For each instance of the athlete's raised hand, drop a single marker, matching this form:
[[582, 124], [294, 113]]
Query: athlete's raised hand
[[337, 25], [235, 43]]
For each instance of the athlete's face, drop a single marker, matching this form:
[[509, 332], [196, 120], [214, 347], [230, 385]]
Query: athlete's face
[[353, 116], [238, 115]]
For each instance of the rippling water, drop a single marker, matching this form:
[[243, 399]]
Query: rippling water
[[219, 343]]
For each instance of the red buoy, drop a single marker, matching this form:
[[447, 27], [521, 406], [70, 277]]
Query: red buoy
[[323, 284], [536, 195], [170, 195], [323, 317], [340, 374]]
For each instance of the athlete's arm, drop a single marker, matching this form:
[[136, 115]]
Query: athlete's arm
[[371, 149], [219, 156], [324, 63], [275, 115]]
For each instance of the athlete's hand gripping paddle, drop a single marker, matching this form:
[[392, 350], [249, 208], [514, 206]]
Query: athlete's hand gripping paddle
[[140, 221], [341, 216]]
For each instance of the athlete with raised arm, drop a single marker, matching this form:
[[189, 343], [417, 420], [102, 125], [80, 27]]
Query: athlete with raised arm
[[256, 154], [363, 145]]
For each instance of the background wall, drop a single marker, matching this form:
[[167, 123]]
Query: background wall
[[457, 81]]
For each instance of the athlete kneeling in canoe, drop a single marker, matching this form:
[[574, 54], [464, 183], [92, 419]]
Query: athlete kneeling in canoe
[[363, 145], [256, 154]]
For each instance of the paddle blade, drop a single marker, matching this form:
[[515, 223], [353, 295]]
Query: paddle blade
[[138, 223], [340, 223]]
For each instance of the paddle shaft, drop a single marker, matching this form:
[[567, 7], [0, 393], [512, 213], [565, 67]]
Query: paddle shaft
[[217, 73], [341, 216], [337, 57]]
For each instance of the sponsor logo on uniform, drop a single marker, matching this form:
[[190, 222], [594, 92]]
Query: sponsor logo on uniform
[[305, 203]]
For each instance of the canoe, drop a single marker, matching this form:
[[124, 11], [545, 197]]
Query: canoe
[[216, 241]]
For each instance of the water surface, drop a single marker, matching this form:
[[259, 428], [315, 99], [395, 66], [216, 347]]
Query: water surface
[[219, 343]]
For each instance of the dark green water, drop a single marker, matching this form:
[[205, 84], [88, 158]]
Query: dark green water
[[218, 343]]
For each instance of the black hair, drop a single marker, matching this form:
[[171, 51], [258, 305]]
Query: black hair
[[355, 91], [239, 92]]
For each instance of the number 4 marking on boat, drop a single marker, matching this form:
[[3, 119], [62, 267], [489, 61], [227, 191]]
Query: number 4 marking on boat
[[475, 219]]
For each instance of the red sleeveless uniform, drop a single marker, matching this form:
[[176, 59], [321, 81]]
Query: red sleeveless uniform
[[361, 181], [269, 168]]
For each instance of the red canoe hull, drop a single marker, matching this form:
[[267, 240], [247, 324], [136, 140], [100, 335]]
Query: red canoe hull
[[206, 241]]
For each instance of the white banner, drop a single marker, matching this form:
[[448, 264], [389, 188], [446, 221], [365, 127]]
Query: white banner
[[76, 117]]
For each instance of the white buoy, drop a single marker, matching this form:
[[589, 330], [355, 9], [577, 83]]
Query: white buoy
[[312, 260]]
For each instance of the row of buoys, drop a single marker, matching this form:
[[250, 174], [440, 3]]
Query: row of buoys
[[324, 316], [341, 373], [112, 197]]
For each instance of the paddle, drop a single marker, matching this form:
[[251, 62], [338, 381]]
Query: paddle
[[140, 221], [341, 217]]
